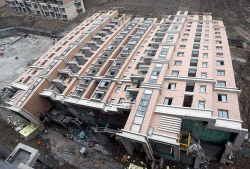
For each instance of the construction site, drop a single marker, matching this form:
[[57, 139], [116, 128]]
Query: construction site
[[125, 84]]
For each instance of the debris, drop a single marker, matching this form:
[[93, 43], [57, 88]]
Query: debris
[[16, 57], [97, 163], [83, 149], [19, 128], [100, 149], [245, 152], [81, 135], [91, 144], [39, 142], [231, 156], [246, 137], [124, 159]]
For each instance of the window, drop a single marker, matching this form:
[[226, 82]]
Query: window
[[168, 101], [206, 35], [138, 53], [219, 54], [111, 101], [128, 69], [221, 72], [175, 73], [219, 42], [185, 34], [205, 47], [105, 83], [223, 114], [222, 97], [133, 61], [184, 40], [196, 46], [197, 40], [180, 54], [79, 92], [121, 100], [195, 53], [182, 46], [172, 86], [123, 77], [205, 55], [221, 83], [117, 89], [204, 64], [127, 87], [218, 47], [86, 80], [220, 62], [204, 75], [98, 95], [205, 41], [201, 105], [177, 63], [203, 89], [192, 73]]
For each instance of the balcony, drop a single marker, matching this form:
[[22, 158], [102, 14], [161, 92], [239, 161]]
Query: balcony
[[53, 95], [18, 85], [98, 40], [87, 51], [59, 83], [81, 58], [102, 33], [93, 45], [74, 66]]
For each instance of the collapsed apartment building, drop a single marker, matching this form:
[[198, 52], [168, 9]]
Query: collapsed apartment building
[[61, 9], [164, 83]]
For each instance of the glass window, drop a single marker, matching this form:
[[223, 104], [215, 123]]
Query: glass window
[[204, 75], [201, 105], [222, 97], [178, 63], [168, 101], [221, 72], [223, 114], [203, 89], [175, 73], [172, 86], [221, 83], [117, 89], [204, 64]]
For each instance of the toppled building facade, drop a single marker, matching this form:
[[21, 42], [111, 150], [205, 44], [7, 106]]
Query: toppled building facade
[[60, 9], [162, 82]]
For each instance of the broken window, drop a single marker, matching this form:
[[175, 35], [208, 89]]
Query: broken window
[[168, 101], [201, 105], [223, 114], [172, 86], [127, 87], [112, 72], [222, 97]]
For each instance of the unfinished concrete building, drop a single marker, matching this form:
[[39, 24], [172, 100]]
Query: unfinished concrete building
[[61, 9], [162, 82]]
